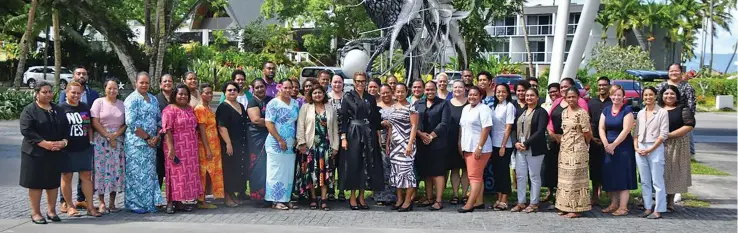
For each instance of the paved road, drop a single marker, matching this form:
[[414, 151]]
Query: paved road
[[721, 191]]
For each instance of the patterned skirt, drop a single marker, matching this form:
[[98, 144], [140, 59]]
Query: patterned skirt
[[677, 168], [109, 172], [280, 176], [572, 192]]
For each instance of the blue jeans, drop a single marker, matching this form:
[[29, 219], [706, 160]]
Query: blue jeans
[[651, 170]]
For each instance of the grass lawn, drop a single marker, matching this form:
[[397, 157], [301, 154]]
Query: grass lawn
[[702, 169]]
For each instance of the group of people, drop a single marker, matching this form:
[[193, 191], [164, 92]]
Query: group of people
[[272, 141]]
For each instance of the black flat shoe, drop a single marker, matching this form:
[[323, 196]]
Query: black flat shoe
[[40, 221], [433, 208], [55, 218], [354, 207], [479, 207], [462, 210], [170, 210], [408, 209]]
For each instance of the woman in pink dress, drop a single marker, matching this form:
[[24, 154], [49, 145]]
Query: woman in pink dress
[[180, 147]]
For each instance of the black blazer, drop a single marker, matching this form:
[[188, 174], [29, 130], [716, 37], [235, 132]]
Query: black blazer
[[36, 125], [536, 142], [438, 120]]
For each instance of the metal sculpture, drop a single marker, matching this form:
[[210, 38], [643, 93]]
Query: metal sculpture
[[421, 27]]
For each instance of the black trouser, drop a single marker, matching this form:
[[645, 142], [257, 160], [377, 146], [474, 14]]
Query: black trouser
[[160, 165], [501, 170]]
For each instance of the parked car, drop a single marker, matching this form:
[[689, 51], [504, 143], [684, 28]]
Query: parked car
[[313, 71], [632, 88], [583, 92], [509, 79], [35, 74]]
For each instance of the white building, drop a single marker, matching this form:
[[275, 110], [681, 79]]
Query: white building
[[540, 26]]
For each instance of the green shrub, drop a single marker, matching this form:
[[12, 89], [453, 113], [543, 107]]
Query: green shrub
[[12, 103], [714, 86]]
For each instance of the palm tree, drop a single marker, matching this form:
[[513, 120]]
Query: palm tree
[[650, 15], [622, 14], [718, 16], [527, 43], [25, 44]]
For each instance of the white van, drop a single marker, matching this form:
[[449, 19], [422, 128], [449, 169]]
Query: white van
[[313, 71]]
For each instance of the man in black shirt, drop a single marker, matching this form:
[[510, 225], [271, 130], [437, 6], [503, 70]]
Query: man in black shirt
[[596, 149], [467, 76]]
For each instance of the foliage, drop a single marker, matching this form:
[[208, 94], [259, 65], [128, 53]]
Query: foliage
[[710, 87], [613, 59], [12, 103]]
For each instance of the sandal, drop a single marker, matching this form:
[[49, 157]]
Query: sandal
[[531, 209], [102, 208], [620, 212], [454, 201], [292, 206], [72, 212], [324, 204], [170, 210], [501, 206], [562, 213], [608, 209], [464, 200], [424, 202], [280, 206], [331, 197], [518, 208], [653, 216], [114, 210], [645, 214], [63, 208], [313, 204], [205, 205], [96, 214], [572, 215]]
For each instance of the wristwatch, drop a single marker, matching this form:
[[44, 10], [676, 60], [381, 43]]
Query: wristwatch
[[479, 147]]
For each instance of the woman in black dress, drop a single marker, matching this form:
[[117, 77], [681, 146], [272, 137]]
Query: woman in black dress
[[550, 170], [257, 135], [361, 162], [434, 115], [79, 150], [44, 128], [455, 160], [232, 122]]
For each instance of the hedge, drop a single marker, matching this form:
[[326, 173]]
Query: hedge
[[714, 86], [12, 103]]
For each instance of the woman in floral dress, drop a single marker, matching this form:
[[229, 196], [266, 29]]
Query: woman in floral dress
[[109, 122], [317, 140], [211, 166], [281, 115], [182, 168], [143, 191]]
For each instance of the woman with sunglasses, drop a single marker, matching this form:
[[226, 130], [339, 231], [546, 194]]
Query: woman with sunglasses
[[232, 121]]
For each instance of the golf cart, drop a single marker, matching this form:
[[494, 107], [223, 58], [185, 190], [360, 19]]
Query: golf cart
[[636, 85]]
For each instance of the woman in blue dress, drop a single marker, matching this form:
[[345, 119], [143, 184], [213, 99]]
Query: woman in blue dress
[[281, 118], [619, 173], [142, 188]]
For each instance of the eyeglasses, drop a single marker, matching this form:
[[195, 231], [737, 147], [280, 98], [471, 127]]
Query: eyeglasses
[[232, 90], [359, 81], [554, 91]]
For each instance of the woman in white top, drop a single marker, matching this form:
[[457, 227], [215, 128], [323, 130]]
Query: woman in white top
[[474, 128], [503, 118]]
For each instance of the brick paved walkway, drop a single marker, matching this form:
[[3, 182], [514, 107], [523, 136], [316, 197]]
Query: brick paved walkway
[[15, 207]]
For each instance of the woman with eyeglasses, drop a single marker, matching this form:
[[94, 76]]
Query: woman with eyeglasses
[[677, 164], [143, 191], [257, 134], [45, 129], [232, 121], [361, 164]]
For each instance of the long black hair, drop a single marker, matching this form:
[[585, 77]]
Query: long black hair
[[508, 98], [673, 88]]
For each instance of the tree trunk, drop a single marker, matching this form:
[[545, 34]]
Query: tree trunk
[[151, 35], [161, 29], [25, 44], [735, 49], [712, 34], [57, 46], [527, 43], [147, 22], [47, 41], [641, 38]]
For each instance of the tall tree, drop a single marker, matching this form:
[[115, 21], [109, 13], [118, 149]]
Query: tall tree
[[523, 19], [57, 44], [25, 44]]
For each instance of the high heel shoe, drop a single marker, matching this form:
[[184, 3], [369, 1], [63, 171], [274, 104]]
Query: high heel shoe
[[396, 207], [40, 221], [408, 209], [353, 207]]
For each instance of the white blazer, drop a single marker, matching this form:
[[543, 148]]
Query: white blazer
[[306, 125]]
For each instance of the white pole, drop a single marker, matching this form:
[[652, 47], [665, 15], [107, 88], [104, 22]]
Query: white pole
[[581, 36], [559, 43]]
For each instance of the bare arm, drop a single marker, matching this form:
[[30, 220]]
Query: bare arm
[[224, 135], [169, 140], [255, 116], [413, 129], [98, 127], [273, 131], [603, 133], [204, 140]]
